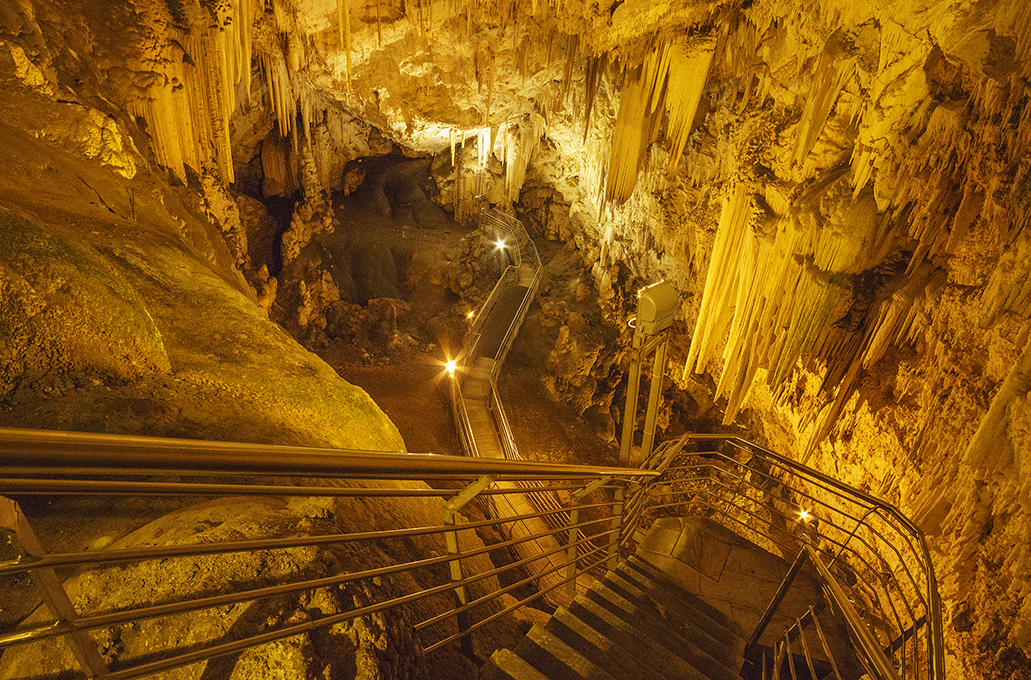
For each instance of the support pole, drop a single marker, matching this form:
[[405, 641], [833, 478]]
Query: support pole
[[451, 509], [615, 528], [782, 592], [574, 533], [654, 398], [630, 408]]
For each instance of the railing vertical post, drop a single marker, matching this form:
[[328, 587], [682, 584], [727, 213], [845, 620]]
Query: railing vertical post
[[571, 556], [614, 527], [574, 533], [451, 509], [54, 595]]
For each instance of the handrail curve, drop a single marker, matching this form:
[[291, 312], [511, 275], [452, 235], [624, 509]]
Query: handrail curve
[[881, 555]]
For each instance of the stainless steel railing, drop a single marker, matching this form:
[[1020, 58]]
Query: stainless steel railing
[[452, 600], [876, 555], [871, 548], [524, 256]]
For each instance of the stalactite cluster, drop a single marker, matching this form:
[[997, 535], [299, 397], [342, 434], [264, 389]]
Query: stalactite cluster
[[670, 80], [188, 114], [786, 281]]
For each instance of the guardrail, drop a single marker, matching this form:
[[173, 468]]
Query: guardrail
[[451, 602], [879, 558], [522, 253], [878, 555]]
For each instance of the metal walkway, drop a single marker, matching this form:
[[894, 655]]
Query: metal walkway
[[480, 416]]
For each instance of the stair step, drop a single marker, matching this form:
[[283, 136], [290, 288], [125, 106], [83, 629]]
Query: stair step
[[631, 638], [698, 658], [693, 626], [505, 664], [656, 576], [602, 651], [556, 659]]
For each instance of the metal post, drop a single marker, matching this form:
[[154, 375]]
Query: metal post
[[630, 408], [571, 556], [615, 527], [782, 592], [54, 595], [574, 533], [654, 397], [451, 509]]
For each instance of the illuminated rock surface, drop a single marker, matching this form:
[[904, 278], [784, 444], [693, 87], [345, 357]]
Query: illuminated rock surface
[[839, 190]]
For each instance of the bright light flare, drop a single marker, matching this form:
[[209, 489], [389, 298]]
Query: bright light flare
[[470, 315], [450, 367], [500, 243], [803, 515]]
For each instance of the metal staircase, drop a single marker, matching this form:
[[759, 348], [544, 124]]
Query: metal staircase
[[635, 623]]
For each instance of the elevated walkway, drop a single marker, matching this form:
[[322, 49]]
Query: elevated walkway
[[481, 416]]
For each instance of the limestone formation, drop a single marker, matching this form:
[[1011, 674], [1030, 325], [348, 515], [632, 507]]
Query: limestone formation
[[840, 191]]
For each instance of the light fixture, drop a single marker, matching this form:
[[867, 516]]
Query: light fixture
[[803, 515], [470, 315], [500, 243], [632, 322], [450, 366]]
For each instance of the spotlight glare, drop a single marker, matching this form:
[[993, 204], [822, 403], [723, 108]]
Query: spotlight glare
[[451, 366], [803, 515], [500, 243], [470, 315]]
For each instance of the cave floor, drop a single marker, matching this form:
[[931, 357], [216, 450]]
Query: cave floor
[[412, 391]]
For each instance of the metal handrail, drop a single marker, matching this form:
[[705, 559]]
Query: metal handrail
[[81, 464], [85, 464], [872, 655], [866, 540]]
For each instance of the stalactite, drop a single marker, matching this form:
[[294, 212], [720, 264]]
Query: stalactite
[[520, 141], [277, 166], [594, 71], [379, 25], [344, 28], [636, 122], [721, 280], [572, 51], [189, 114], [832, 72], [771, 297], [688, 73]]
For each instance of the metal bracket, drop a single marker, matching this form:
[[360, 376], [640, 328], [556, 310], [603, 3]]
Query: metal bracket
[[451, 509], [54, 595]]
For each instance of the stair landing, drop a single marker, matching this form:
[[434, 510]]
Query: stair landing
[[733, 575]]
